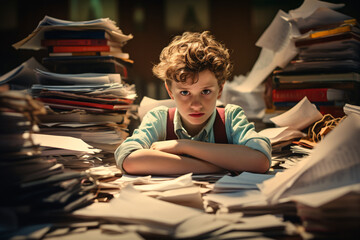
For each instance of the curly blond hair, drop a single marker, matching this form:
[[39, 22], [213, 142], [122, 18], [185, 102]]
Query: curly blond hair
[[190, 53]]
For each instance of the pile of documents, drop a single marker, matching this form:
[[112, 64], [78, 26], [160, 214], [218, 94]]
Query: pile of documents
[[321, 180], [33, 185], [92, 107]]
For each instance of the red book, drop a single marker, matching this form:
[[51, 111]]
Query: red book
[[313, 94], [73, 42], [66, 49]]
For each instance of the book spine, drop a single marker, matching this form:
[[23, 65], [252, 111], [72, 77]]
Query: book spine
[[337, 37], [78, 103], [67, 49], [73, 42], [293, 95], [329, 32]]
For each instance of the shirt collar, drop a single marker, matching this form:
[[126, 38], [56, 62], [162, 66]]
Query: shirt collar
[[203, 133]]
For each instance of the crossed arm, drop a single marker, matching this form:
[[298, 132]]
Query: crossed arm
[[184, 156]]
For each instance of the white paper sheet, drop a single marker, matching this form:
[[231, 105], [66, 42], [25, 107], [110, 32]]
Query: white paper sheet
[[63, 142], [133, 206], [180, 182], [302, 115], [279, 134]]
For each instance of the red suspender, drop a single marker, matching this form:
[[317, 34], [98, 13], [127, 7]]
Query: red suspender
[[219, 126], [170, 134]]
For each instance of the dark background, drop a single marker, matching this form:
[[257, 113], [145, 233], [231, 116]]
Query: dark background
[[237, 23]]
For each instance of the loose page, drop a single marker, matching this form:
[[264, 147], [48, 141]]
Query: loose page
[[133, 206], [302, 115]]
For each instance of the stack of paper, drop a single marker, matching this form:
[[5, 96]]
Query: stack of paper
[[91, 107], [331, 171], [34, 185]]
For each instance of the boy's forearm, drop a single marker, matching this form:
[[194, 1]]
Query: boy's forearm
[[228, 156], [146, 161]]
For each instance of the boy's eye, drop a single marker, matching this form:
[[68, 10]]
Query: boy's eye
[[206, 91], [184, 93]]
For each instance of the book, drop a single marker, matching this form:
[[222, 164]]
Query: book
[[321, 66], [279, 77], [118, 54], [73, 42], [351, 21], [313, 94], [333, 31], [337, 37], [83, 64], [66, 49], [76, 34]]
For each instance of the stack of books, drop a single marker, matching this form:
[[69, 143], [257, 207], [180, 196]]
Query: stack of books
[[326, 70], [85, 88], [77, 47]]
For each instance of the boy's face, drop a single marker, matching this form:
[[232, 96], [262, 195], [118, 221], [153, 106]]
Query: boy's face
[[196, 102]]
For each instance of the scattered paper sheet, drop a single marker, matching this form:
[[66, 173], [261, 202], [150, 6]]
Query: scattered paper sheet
[[245, 180], [280, 134], [133, 206], [317, 199], [64, 142], [180, 182], [302, 115]]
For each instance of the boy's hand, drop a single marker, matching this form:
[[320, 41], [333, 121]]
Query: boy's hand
[[169, 146]]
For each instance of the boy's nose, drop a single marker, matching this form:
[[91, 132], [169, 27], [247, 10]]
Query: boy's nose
[[196, 103]]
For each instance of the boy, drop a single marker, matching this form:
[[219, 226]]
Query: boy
[[194, 67]]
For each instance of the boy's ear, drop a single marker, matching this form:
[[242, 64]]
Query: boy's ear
[[221, 87], [169, 91]]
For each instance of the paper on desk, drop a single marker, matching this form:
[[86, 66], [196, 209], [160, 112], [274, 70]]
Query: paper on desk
[[333, 163], [238, 198], [351, 109], [63, 142], [180, 182], [185, 196], [302, 115], [132, 206], [280, 134], [317, 199], [245, 180]]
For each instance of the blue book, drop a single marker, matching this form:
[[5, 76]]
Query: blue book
[[73, 34]]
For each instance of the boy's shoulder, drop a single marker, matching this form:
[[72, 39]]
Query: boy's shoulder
[[158, 111], [233, 108]]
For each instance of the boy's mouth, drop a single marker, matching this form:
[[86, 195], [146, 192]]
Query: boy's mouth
[[196, 115]]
